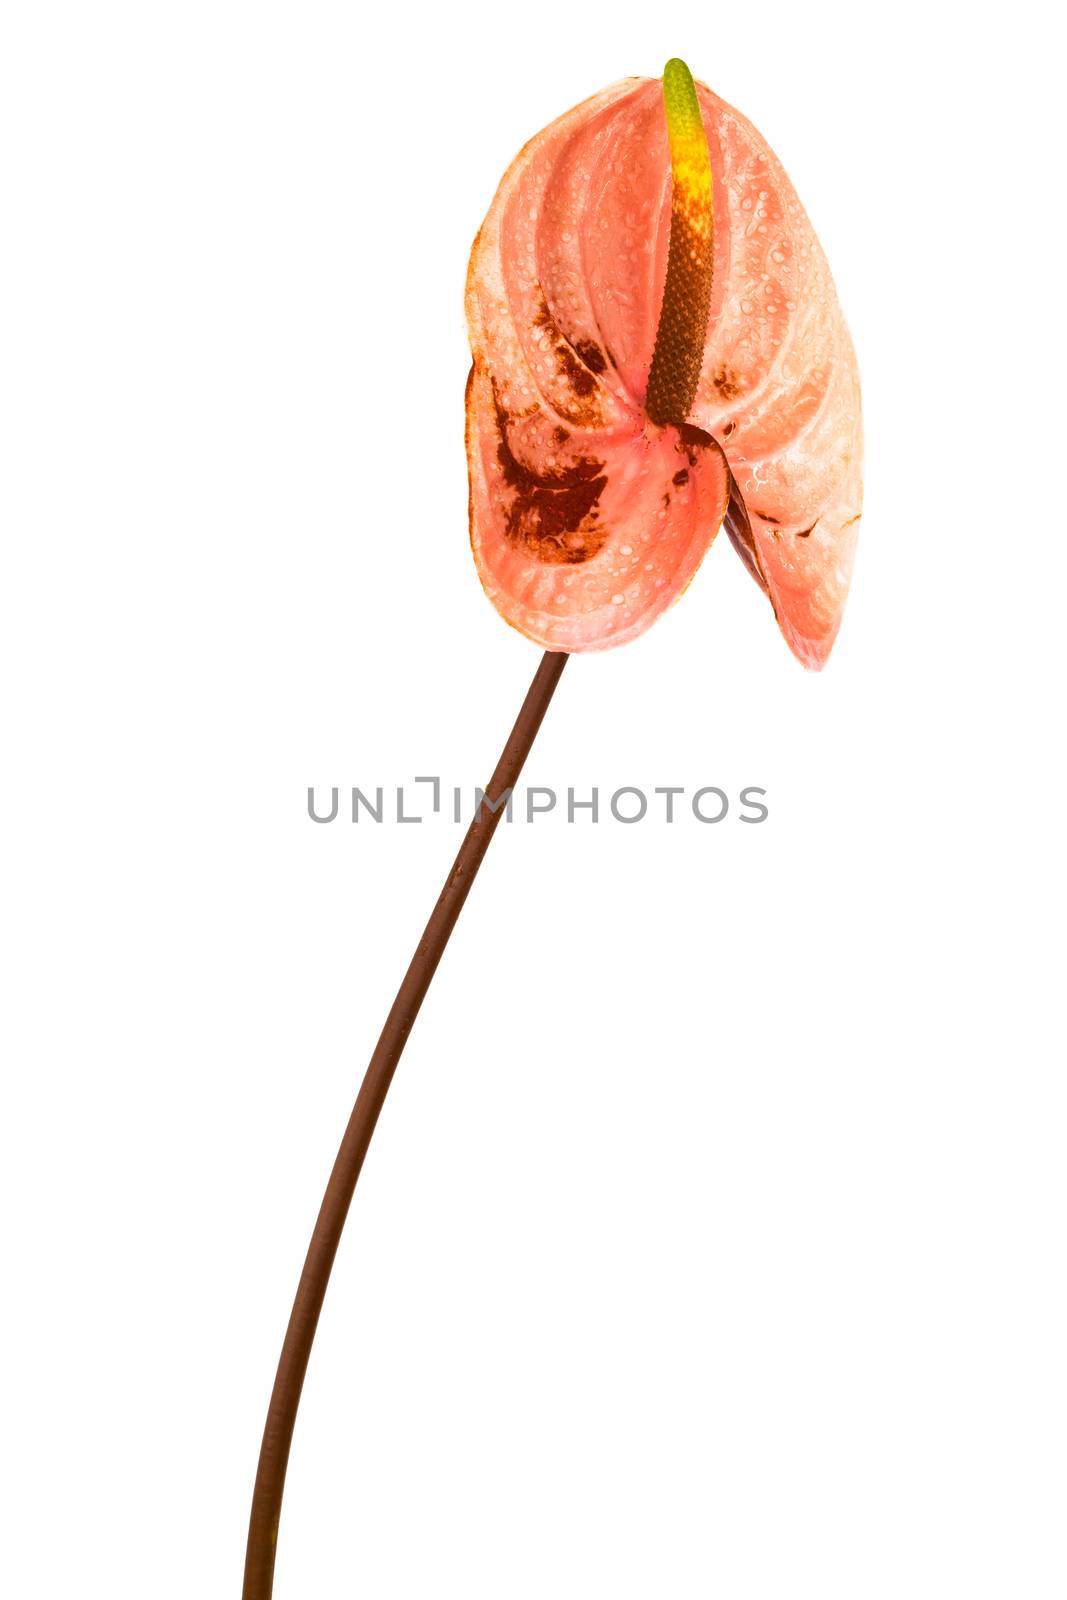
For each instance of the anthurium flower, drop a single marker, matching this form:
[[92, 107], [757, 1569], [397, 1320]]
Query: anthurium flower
[[658, 349]]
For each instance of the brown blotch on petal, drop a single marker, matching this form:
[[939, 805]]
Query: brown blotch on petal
[[573, 362], [543, 316], [726, 382], [578, 376], [552, 515], [591, 354], [802, 533]]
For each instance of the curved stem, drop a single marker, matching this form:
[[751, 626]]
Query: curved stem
[[300, 1334]]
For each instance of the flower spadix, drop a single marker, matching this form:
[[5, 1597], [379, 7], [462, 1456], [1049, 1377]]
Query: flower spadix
[[658, 349]]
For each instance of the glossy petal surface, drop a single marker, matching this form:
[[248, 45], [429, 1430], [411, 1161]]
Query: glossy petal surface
[[587, 519]]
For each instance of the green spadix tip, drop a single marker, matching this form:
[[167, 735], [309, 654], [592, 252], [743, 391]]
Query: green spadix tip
[[680, 99]]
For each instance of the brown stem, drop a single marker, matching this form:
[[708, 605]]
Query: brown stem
[[300, 1334]]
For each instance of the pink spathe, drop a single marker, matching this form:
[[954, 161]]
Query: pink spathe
[[587, 520]]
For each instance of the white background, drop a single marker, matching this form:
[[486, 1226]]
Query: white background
[[712, 1242]]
